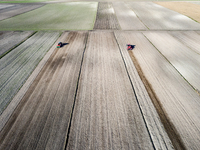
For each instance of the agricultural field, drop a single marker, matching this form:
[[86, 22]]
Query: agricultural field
[[17, 65], [11, 10], [61, 16], [11, 39], [93, 93]]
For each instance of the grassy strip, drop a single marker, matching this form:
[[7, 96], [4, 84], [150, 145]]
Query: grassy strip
[[18, 64], [62, 16]]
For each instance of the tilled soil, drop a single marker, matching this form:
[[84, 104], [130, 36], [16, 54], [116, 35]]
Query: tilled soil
[[106, 18], [46, 107], [17, 65], [89, 94], [106, 114]]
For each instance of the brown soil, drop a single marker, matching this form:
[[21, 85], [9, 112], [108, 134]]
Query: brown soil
[[189, 9], [106, 18], [46, 107]]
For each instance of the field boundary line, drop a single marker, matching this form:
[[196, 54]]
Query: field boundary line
[[17, 98], [75, 95]]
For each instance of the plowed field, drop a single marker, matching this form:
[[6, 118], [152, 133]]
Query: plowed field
[[106, 18], [93, 93], [16, 66]]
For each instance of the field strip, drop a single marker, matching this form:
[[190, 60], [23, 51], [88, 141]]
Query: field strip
[[178, 100], [64, 16], [15, 101], [106, 113], [156, 17], [185, 60], [156, 129], [195, 2], [17, 66], [18, 9], [189, 38], [3, 6], [41, 119], [186, 8], [106, 18], [127, 18], [9, 40]]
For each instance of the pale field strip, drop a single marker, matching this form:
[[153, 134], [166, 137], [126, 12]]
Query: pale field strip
[[182, 57], [10, 39], [106, 114], [17, 65], [127, 18], [41, 120], [105, 17], [195, 2], [17, 9], [188, 38], [3, 6], [189, 9], [178, 100], [156, 17], [154, 125]]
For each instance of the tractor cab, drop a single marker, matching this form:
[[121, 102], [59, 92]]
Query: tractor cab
[[60, 44]]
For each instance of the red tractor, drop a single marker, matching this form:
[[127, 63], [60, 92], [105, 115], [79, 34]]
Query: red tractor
[[129, 46], [60, 44]]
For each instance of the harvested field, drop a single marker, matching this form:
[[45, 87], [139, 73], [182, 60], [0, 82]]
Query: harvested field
[[127, 18], [16, 66], [64, 16], [46, 107], [175, 96], [106, 18], [156, 17], [185, 60], [107, 114], [186, 8], [16, 9], [9, 40]]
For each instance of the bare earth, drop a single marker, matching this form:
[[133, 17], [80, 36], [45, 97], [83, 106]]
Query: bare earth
[[93, 93]]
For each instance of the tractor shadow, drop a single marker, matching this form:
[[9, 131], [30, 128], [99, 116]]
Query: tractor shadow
[[63, 44]]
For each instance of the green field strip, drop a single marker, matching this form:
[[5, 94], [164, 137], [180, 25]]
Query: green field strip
[[16, 66], [62, 16]]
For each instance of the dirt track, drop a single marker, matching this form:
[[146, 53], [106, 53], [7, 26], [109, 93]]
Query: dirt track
[[94, 94]]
